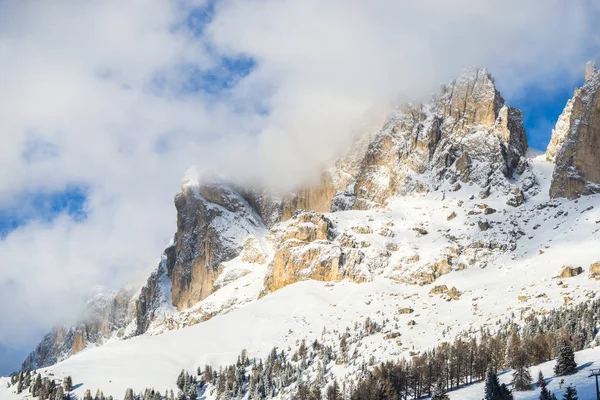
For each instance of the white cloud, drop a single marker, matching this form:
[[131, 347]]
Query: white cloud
[[80, 77]]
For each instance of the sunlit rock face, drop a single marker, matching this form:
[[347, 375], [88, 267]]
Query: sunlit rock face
[[575, 143], [464, 134]]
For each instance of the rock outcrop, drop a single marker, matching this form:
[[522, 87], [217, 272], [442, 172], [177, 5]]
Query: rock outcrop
[[213, 221], [106, 315], [466, 134], [575, 142], [306, 250]]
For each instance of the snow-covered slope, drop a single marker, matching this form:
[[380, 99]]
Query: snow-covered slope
[[586, 387], [509, 268]]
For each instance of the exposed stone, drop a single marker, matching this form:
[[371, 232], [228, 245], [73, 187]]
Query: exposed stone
[[489, 211], [483, 225], [391, 246], [590, 70], [595, 270], [465, 133], [516, 197], [421, 231], [576, 143], [253, 252], [203, 240], [451, 216], [386, 232], [439, 289], [432, 271], [362, 230], [569, 271], [454, 294], [485, 193], [405, 310], [411, 322]]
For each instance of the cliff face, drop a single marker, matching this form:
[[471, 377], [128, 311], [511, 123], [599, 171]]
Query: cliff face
[[464, 134], [212, 223], [575, 142], [106, 315]]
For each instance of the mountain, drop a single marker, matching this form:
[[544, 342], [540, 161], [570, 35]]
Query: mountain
[[575, 142], [440, 223]]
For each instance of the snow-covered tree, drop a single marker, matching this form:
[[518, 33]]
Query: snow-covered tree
[[570, 394], [439, 390], [521, 379], [565, 361]]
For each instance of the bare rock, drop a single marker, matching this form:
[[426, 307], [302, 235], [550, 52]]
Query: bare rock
[[576, 143], [516, 197], [569, 271], [595, 270]]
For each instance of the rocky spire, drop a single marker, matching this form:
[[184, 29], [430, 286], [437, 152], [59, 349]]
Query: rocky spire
[[466, 134], [576, 142], [590, 69]]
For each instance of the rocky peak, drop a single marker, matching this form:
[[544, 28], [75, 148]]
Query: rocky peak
[[590, 70], [575, 142], [466, 133], [213, 220]]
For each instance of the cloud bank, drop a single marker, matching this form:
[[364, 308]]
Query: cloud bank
[[120, 98]]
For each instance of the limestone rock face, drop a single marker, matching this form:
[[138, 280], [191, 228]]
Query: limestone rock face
[[576, 143], [106, 315], [560, 132], [569, 272], [305, 252], [466, 133], [212, 223], [309, 247]]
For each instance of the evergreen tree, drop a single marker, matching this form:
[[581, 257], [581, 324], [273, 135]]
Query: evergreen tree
[[565, 361], [87, 395], [128, 394], [68, 384], [521, 379], [333, 392], [59, 393], [570, 394], [439, 391], [513, 355], [492, 386], [541, 382], [181, 380], [505, 393], [545, 393]]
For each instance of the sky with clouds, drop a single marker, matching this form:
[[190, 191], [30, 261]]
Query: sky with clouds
[[105, 104]]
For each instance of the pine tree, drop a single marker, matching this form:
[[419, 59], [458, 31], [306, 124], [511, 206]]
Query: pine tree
[[333, 392], [59, 393], [68, 384], [181, 380], [513, 355], [505, 393], [87, 395], [128, 394], [565, 361], [541, 382], [545, 393], [439, 391], [492, 386], [570, 394], [521, 379]]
